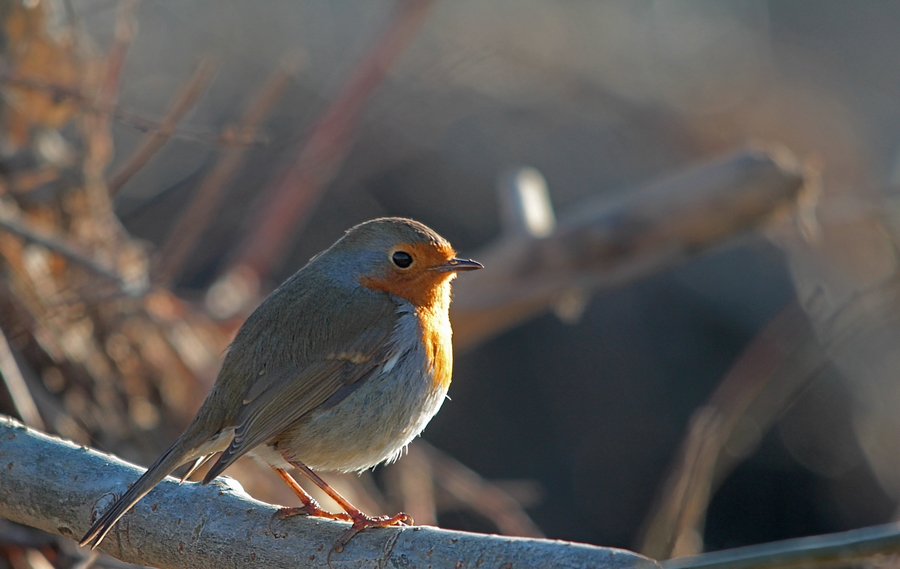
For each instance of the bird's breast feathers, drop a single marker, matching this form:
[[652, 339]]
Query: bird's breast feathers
[[389, 409], [435, 335]]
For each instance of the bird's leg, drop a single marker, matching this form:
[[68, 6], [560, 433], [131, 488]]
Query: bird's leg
[[310, 507], [360, 520]]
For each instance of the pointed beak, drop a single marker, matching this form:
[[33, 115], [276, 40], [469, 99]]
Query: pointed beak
[[458, 265]]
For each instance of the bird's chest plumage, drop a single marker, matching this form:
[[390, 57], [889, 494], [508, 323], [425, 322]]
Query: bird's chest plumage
[[376, 421]]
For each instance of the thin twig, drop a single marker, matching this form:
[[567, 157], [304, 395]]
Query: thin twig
[[115, 60], [133, 120], [296, 190], [780, 361], [470, 488], [99, 222], [26, 232], [836, 549], [183, 103], [181, 241], [16, 386]]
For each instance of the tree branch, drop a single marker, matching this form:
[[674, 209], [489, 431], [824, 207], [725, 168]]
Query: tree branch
[[845, 549], [131, 286], [608, 243], [56, 485]]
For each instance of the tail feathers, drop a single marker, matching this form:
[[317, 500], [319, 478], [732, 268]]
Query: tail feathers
[[172, 459], [217, 468], [194, 467]]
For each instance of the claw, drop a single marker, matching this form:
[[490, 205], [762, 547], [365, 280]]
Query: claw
[[364, 522], [308, 510], [313, 509], [310, 507]]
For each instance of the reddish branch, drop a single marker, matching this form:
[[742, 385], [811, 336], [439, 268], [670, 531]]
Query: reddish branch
[[298, 188]]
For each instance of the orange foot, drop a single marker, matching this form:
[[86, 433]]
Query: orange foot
[[313, 509], [310, 509], [363, 522]]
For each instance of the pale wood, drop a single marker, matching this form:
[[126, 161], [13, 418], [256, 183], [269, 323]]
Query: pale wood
[[54, 485]]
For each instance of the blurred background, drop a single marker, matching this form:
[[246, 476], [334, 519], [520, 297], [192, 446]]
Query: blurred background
[[164, 165]]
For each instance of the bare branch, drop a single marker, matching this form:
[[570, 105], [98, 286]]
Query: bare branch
[[609, 243], [470, 488], [16, 386], [131, 287], [297, 190], [57, 486], [183, 103], [181, 241], [781, 361], [844, 549], [140, 123]]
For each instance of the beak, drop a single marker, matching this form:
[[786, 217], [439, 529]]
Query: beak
[[458, 265]]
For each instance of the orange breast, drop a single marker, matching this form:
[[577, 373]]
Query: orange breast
[[436, 337]]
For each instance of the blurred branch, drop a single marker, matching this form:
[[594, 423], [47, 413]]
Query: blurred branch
[[23, 230], [183, 103], [525, 204], [481, 496], [57, 486], [16, 386], [125, 30], [128, 118], [777, 365], [844, 549], [609, 243], [425, 467], [297, 189], [195, 220], [104, 230]]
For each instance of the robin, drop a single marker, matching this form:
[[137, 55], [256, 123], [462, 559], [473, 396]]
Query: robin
[[338, 369]]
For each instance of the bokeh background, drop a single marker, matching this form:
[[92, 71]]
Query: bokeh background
[[578, 419]]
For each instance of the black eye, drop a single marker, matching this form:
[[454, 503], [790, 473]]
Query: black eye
[[402, 259]]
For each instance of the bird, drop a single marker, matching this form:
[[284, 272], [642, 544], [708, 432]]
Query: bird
[[338, 369]]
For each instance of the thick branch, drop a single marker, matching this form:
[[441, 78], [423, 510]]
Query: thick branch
[[608, 243], [54, 485]]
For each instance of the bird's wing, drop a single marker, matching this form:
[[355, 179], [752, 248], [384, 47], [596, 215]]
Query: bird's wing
[[293, 386]]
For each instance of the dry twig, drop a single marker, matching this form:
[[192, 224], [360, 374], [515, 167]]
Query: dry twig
[[194, 221], [183, 103], [23, 230], [16, 387], [299, 187], [847, 549], [778, 364]]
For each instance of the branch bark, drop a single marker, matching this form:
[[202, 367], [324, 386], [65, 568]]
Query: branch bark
[[608, 243], [56, 486]]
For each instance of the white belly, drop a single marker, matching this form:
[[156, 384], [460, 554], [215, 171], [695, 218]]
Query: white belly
[[376, 421]]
